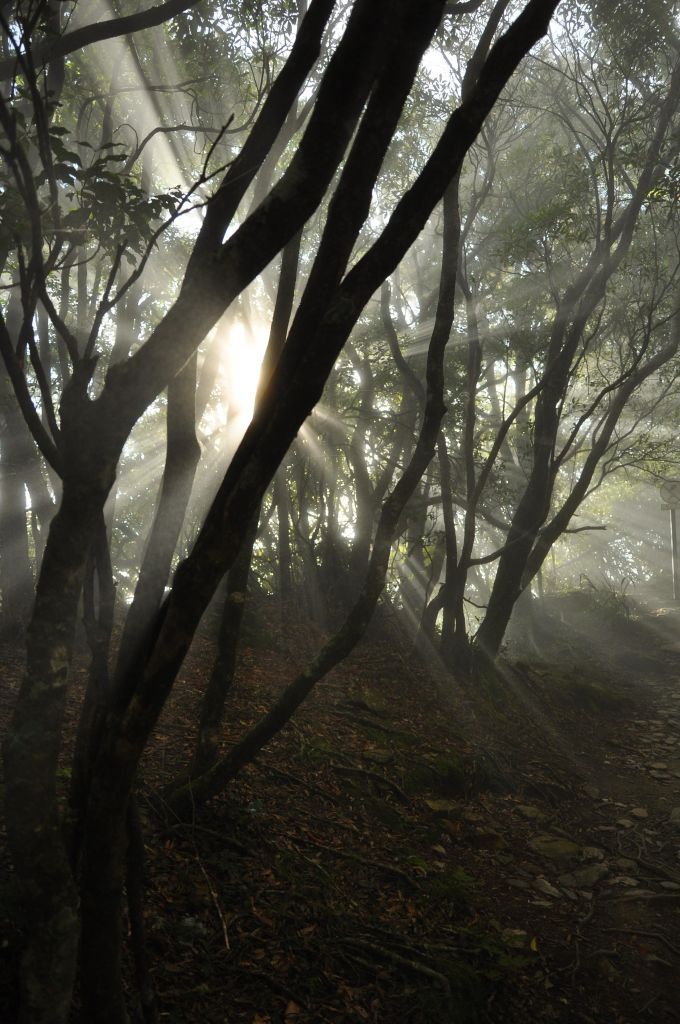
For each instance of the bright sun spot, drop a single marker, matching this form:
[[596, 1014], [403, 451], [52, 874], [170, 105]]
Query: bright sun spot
[[242, 353]]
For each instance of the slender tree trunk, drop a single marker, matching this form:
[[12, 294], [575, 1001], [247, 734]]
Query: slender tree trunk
[[16, 572], [19, 459], [285, 555], [363, 500], [317, 608], [182, 455], [222, 676], [451, 546], [458, 650]]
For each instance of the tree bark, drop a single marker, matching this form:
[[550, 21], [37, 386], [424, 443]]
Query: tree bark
[[19, 460], [222, 676], [182, 456]]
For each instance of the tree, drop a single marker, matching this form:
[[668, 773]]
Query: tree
[[551, 363], [355, 114]]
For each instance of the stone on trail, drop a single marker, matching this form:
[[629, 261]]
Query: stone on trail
[[592, 853], [546, 888], [487, 839], [639, 812], [531, 813], [626, 864], [443, 808], [624, 822], [584, 878], [554, 847], [674, 818], [377, 756]]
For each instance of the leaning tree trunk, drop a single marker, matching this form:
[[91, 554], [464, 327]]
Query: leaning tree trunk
[[357, 621], [222, 676], [182, 456]]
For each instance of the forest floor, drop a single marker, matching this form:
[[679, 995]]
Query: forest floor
[[408, 851]]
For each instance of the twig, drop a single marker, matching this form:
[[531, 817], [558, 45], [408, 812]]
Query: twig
[[215, 899], [288, 776], [377, 778], [643, 1009], [648, 897], [268, 978], [360, 860], [367, 721], [232, 844], [333, 822], [658, 869], [659, 936], [403, 961]]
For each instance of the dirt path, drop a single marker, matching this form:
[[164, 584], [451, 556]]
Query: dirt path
[[593, 872], [406, 853]]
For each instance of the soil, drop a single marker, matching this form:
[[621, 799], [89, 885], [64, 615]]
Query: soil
[[411, 849]]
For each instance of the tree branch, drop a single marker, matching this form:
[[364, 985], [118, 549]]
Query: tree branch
[[97, 32]]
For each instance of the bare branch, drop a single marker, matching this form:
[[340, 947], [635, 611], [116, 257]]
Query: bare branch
[[97, 32]]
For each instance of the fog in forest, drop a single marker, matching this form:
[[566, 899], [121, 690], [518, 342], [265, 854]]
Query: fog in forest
[[339, 477]]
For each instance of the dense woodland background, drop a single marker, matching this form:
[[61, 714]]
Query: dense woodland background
[[337, 311]]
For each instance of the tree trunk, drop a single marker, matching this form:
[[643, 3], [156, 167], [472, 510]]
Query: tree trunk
[[45, 883], [285, 558], [16, 572], [182, 455], [222, 676], [18, 453]]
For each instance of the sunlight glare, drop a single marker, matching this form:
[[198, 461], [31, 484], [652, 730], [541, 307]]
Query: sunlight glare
[[242, 353]]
